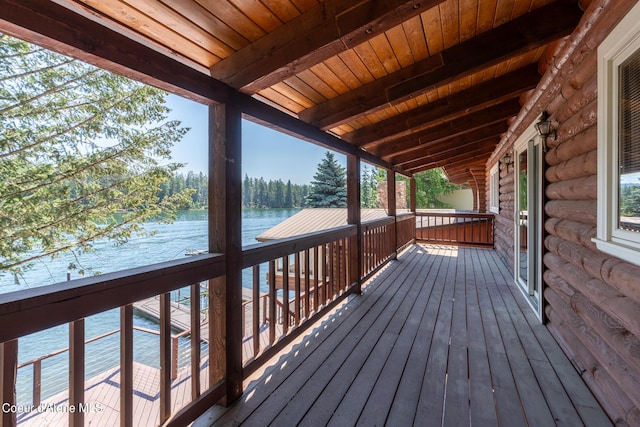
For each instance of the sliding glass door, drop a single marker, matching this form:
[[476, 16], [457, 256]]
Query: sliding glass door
[[528, 219]]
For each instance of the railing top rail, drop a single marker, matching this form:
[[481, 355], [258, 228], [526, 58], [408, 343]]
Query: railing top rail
[[263, 252], [455, 215], [373, 223], [31, 310], [405, 215]]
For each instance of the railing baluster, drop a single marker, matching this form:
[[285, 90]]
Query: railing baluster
[[126, 365], [325, 274], [332, 274], [76, 372], [256, 309], [272, 301], [285, 295], [165, 357], [307, 276], [174, 357], [316, 278], [195, 340], [296, 263]]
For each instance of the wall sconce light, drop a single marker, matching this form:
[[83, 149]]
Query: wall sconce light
[[507, 159], [544, 130]]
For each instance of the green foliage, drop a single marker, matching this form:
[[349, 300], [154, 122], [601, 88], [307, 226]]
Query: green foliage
[[197, 184], [630, 200], [430, 185], [257, 193], [368, 188], [329, 185], [81, 153]]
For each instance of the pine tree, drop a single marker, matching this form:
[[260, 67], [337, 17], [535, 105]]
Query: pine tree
[[329, 185], [77, 145], [430, 185], [288, 198], [247, 192]]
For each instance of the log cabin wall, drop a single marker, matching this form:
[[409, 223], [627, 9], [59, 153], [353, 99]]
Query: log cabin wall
[[591, 299], [503, 240]]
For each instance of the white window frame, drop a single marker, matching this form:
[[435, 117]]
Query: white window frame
[[494, 188], [619, 45]]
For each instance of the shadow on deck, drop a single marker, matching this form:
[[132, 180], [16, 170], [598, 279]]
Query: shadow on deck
[[440, 337]]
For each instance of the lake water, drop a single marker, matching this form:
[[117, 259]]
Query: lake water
[[170, 241]]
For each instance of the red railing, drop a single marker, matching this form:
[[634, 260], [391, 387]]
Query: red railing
[[455, 228]]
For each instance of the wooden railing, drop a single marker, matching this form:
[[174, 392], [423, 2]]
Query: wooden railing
[[305, 276], [378, 244], [294, 281], [38, 309], [36, 363], [406, 230], [455, 228]]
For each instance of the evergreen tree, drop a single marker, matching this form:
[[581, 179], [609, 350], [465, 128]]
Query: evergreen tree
[[288, 198], [77, 145], [368, 188], [247, 192], [630, 200], [329, 185], [430, 185]]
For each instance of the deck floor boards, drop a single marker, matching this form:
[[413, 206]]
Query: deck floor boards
[[439, 337]]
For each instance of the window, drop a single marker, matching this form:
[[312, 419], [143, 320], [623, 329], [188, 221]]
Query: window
[[494, 188], [619, 140]]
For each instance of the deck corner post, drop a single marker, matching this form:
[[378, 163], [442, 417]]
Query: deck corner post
[[76, 371], [391, 207], [225, 236], [9, 369], [354, 218]]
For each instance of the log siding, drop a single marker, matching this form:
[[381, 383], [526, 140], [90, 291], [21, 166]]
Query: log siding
[[591, 299]]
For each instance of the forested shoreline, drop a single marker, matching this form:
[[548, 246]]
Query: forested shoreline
[[256, 192]]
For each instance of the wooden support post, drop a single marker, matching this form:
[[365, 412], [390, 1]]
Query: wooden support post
[[165, 357], [9, 370], [76, 372], [413, 195], [391, 203], [37, 382], [255, 307], [353, 217], [225, 236], [195, 341], [126, 365]]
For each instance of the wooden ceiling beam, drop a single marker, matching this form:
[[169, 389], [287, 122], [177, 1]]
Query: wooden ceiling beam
[[57, 28], [474, 99], [462, 162], [530, 31], [491, 132], [496, 114], [432, 155], [456, 157], [318, 34]]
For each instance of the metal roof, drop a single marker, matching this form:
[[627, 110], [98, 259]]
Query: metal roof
[[315, 219]]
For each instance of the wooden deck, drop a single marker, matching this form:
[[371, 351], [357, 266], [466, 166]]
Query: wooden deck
[[102, 394], [440, 337]]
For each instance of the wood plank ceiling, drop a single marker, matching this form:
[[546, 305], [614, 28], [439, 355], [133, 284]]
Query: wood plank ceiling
[[420, 83]]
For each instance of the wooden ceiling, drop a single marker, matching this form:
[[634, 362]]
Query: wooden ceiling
[[419, 84]]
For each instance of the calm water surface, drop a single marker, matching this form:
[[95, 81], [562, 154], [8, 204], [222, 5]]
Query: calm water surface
[[170, 241]]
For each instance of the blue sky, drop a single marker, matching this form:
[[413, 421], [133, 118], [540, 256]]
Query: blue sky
[[265, 153]]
